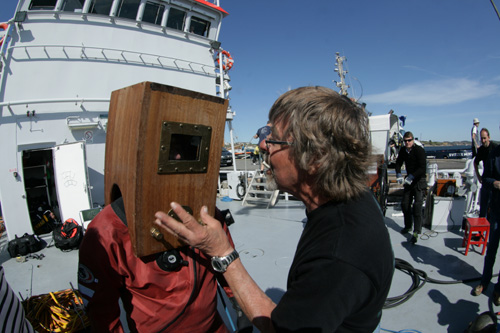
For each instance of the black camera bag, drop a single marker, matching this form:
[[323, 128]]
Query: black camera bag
[[21, 246]]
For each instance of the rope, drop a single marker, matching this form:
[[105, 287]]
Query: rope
[[60, 311]]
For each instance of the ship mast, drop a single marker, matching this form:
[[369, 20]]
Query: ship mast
[[339, 68]]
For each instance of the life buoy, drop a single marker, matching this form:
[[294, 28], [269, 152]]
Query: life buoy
[[4, 26], [227, 60]]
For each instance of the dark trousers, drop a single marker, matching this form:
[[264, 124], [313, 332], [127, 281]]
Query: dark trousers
[[491, 250], [413, 198], [484, 200]]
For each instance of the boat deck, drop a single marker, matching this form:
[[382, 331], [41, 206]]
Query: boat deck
[[266, 240]]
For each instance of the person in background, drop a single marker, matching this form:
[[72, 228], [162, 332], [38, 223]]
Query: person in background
[[262, 134], [474, 134], [482, 155], [319, 151], [45, 218], [173, 291], [393, 144], [413, 156], [255, 155], [491, 180]]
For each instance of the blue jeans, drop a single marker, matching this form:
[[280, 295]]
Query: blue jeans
[[491, 251]]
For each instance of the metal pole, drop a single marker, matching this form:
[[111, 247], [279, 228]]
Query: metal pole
[[495, 7]]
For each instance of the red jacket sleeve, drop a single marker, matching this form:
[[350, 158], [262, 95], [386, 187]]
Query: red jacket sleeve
[[98, 279]]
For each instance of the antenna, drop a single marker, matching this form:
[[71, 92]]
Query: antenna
[[339, 68]]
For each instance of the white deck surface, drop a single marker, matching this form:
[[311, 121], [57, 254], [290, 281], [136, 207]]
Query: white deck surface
[[266, 240]]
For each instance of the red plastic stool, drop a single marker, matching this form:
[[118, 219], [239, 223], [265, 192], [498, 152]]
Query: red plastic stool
[[476, 227]]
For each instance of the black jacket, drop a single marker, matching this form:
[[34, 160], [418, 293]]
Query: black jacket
[[415, 162]]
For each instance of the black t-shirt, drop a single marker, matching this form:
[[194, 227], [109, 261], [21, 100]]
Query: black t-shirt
[[483, 153], [341, 273]]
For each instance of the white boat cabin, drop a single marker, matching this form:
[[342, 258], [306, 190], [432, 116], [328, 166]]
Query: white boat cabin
[[60, 61]]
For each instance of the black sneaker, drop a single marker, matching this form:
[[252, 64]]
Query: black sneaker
[[478, 290], [414, 238], [405, 231], [496, 298]]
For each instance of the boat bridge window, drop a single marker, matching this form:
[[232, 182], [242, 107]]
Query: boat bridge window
[[73, 5], [102, 7], [42, 4], [176, 19], [153, 13], [128, 9], [199, 26]]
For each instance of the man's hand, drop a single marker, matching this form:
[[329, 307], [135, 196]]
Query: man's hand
[[209, 237], [409, 179], [399, 178], [496, 184]]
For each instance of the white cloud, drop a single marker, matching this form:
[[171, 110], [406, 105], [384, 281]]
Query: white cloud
[[433, 93]]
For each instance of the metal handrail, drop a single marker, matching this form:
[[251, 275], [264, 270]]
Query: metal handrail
[[206, 69], [56, 100]]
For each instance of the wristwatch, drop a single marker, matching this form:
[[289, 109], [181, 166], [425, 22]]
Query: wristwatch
[[220, 264]]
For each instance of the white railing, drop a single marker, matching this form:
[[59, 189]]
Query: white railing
[[86, 53], [75, 100]]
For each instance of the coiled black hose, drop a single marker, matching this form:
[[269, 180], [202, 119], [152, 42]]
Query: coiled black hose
[[419, 278]]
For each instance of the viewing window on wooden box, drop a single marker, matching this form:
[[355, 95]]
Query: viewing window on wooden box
[[153, 13], [176, 19], [184, 147]]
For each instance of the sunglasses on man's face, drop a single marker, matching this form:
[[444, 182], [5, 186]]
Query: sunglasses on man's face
[[272, 142], [408, 140]]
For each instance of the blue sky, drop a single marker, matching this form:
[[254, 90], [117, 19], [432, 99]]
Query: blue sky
[[437, 62]]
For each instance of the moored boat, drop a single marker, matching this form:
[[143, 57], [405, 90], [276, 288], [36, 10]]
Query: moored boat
[[451, 152]]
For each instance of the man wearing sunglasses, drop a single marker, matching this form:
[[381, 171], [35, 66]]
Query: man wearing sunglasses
[[319, 151], [413, 156]]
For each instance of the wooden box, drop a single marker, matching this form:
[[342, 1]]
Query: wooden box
[[163, 144]]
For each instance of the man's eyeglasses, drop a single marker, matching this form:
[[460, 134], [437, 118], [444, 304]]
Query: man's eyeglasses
[[274, 142], [408, 140]]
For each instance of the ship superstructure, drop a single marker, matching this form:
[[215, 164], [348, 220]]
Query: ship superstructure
[[60, 61]]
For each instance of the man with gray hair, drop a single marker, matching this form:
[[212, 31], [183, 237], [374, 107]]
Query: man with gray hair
[[319, 151], [491, 180], [482, 156]]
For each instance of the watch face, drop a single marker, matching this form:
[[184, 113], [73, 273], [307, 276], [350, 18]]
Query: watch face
[[218, 265]]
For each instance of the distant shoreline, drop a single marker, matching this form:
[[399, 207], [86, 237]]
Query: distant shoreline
[[450, 143]]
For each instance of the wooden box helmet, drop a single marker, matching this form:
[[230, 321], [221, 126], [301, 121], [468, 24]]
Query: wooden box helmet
[[163, 144]]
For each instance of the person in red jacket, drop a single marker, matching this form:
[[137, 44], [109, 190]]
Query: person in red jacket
[[172, 291]]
